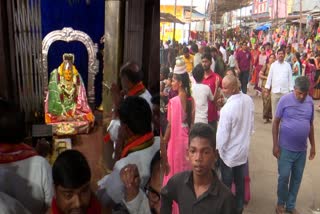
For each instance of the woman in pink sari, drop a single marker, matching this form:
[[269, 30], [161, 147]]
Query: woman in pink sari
[[180, 118]]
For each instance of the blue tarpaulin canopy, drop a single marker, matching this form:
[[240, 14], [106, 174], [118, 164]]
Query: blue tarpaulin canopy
[[264, 27]]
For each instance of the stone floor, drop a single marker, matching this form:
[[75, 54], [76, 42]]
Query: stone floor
[[96, 151]]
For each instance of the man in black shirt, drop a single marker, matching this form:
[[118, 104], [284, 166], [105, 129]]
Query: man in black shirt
[[199, 190]]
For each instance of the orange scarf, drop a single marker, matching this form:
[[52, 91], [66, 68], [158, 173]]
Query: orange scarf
[[94, 206], [136, 144], [136, 90], [14, 152]]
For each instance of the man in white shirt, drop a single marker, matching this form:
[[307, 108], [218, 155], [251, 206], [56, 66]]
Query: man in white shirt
[[232, 60], [224, 53], [24, 175], [233, 136], [131, 82], [279, 80], [197, 55]]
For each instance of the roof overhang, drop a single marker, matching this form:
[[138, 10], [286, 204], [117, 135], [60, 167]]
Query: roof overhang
[[168, 17], [224, 6]]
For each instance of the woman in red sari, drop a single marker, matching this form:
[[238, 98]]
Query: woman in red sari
[[254, 61], [262, 60]]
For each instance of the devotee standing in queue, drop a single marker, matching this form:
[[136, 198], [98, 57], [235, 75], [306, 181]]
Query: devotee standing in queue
[[210, 79], [197, 54], [139, 148], [71, 178], [188, 59], [292, 126], [180, 118], [297, 66], [132, 85], [266, 96], [243, 57], [201, 94], [233, 137], [279, 80], [24, 175]]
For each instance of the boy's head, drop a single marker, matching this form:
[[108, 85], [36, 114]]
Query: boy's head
[[135, 115], [186, 52], [202, 148], [71, 177], [164, 71], [198, 73]]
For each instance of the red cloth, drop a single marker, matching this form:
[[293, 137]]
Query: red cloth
[[15, 152], [137, 144], [94, 206], [212, 108], [137, 89]]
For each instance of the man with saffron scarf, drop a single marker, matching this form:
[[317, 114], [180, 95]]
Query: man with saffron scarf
[[131, 82], [71, 178], [24, 175], [139, 148]]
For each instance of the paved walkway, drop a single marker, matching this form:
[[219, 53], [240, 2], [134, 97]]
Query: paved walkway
[[263, 169]]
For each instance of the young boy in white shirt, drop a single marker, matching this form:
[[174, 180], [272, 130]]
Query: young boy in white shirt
[[201, 94]]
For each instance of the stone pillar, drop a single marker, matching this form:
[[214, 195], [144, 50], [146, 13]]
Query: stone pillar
[[113, 46], [113, 54]]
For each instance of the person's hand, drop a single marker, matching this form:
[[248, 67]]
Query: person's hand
[[114, 89], [131, 179], [217, 82], [312, 153], [276, 151], [237, 70], [165, 167]]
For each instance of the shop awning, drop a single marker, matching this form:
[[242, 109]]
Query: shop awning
[[167, 17], [263, 27]]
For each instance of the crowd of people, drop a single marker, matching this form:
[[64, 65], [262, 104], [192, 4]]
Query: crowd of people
[[203, 88], [204, 112]]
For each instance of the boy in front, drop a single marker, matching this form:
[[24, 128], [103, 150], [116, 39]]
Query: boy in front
[[199, 190]]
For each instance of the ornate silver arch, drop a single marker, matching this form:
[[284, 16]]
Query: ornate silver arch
[[68, 34]]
